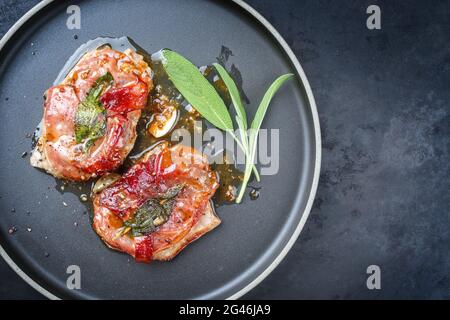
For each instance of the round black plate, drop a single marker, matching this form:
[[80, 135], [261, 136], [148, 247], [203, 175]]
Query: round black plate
[[253, 236]]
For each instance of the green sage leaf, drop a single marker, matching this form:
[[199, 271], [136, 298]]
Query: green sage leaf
[[90, 117], [196, 89], [256, 125], [264, 104], [235, 96], [153, 213]]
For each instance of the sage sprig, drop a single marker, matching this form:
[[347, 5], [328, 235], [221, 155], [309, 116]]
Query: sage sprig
[[196, 89], [256, 125], [241, 116]]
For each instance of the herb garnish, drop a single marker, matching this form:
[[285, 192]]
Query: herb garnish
[[201, 95], [152, 213], [256, 125], [196, 89], [90, 117]]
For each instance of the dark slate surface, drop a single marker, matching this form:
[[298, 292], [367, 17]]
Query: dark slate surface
[[383, 198]]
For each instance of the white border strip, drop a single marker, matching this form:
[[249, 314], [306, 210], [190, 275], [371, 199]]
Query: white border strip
[[318, 146]]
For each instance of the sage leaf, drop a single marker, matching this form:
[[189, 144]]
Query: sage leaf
[[196, 89], [256, 125], [153, 213], [263, 106], [241, 116], [90, 117], [235, 96]]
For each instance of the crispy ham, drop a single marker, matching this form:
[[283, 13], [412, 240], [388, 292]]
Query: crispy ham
[[57, 150], [159, 170]]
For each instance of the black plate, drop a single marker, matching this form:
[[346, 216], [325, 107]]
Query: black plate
[[253, 236]]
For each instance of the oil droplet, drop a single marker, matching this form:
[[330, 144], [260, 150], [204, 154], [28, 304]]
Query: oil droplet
[[12, 230], [46, 254], [13, 210], [84, 197], [29, 229], [24, 154], [64, 204], [254, 194]]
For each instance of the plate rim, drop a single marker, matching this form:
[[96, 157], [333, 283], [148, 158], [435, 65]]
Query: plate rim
[[317, 163]]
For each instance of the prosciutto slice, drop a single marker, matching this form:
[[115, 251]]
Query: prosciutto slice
[[58, 151], [158, 171]]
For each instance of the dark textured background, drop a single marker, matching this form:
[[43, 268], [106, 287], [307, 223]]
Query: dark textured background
[[383, 198]]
